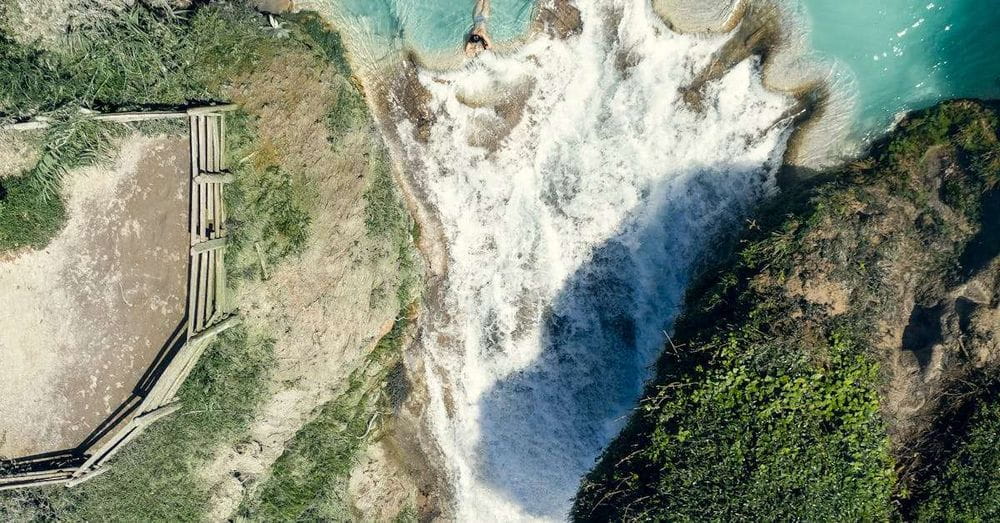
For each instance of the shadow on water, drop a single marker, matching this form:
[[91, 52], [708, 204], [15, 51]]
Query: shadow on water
[[543, 426]]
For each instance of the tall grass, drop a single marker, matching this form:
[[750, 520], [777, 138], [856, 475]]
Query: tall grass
[[145, 57]]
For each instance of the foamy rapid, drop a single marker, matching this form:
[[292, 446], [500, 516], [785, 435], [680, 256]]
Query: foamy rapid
[[571, 239]]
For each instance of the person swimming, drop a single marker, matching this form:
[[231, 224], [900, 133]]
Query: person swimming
[[479, 39]]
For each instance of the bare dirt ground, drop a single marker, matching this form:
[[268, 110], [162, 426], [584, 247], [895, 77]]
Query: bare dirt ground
[[319, 305], [84, 317]]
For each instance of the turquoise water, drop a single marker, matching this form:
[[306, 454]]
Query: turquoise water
[[909, 54], [433, 26]]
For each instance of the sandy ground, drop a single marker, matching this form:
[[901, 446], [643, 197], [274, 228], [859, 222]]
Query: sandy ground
[[83, 318]]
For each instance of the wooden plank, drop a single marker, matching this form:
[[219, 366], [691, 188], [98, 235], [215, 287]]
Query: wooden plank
[[208, 109], [218, 328], [209, 211], [96, 455], [210, 143], [217, 209], [203, 143], [223, 163], [40, 483], [38, 474], [217, 243], [192, 294], [194, 188], [148, 418], [210, 292], [222, 294], [132, 434], [216, 164], [202, 291], [221, 178], [159, 394], [197, 347], [224, 226], [87, 476], [27, 126], [124, 117], [139, 116]]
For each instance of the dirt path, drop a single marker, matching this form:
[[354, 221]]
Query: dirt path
[[84, 317]]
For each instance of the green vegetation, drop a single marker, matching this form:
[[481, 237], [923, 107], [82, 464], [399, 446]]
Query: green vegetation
[[269, 205], [766, 403], [31, 211], [151, 58], [144, 58], [967, 486], [309, 481], [25, 219]]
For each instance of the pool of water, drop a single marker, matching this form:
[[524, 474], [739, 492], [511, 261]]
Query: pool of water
[[899, 55], [432, 27]]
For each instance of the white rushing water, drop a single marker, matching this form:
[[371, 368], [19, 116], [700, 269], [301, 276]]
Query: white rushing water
[[570, 241]]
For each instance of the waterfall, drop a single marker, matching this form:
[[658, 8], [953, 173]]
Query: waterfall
[[576, 190]]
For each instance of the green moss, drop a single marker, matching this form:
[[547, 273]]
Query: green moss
[[308, 482]]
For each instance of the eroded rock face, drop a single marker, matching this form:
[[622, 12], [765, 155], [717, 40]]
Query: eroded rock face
[[932, 297]]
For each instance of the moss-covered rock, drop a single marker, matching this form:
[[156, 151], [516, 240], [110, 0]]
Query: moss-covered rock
[[808, 368]]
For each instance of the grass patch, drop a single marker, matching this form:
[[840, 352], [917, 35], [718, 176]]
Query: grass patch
[[269, 205], [25, 219], [309, 481], [31, 207], [145, 57]]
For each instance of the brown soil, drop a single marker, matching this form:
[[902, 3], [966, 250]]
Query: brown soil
[[93, 309]]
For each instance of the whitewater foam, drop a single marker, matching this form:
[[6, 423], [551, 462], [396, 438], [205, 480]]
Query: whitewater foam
[[570, 241], [575, 192]]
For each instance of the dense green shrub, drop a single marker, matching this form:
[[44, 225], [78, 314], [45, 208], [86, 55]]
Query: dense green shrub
[[967, 486], [765, 405]]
